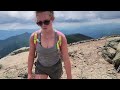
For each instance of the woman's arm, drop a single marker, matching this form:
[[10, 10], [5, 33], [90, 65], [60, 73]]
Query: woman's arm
[[31, 56], [65, 56]]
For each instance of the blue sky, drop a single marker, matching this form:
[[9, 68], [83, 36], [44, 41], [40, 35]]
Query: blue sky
[[10, 20]]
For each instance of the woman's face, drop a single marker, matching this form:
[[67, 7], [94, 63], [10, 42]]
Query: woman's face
[[44, 20]]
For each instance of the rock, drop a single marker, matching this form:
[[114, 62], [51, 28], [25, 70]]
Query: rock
[[116, 60], [117, 64], [111, 51], [108, 53], [23, 75], [118, 47], [112, 44], [116, 39], [1, 66], [107, 58], [24, 49]]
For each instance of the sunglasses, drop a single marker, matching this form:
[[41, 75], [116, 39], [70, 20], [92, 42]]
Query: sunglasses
[[45, 22]]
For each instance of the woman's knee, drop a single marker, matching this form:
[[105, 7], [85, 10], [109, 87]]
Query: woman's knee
[[41, 76]]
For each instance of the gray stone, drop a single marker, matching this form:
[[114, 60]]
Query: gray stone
[[110, 52], [112, 44], [117, 57], [118, 47], [24, 49]]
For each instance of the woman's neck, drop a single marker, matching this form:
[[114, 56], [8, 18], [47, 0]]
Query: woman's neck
[[47, 33]]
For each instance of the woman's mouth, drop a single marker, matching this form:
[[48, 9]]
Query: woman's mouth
[[44, 28]]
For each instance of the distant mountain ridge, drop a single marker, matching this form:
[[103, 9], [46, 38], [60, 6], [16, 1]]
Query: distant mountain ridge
[[4, 34], [15, 42], [76, 37], [95, 31]]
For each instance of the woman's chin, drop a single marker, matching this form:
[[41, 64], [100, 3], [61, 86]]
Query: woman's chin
[[44, 28]]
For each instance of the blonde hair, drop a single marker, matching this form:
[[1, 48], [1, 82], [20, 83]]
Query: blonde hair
[[51, 12]]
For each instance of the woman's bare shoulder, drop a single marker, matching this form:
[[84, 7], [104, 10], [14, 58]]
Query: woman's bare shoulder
[[37, 32], [60, 33]]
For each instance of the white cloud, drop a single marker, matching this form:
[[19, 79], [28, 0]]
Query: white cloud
[[77, 15], [26, 15], [78, 24], [25, 19], [14, 26]]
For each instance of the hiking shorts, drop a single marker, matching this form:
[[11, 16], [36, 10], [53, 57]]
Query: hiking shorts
[[54, 72]]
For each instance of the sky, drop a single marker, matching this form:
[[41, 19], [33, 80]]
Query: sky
[[10, 20]]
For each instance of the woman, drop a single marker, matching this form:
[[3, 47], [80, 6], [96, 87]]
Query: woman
[[48, 56]]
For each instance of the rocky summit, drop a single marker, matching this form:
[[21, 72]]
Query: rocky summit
[[90, 59]]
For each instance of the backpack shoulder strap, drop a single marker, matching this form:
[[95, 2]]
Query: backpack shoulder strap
[[59, 41], [35, 38]]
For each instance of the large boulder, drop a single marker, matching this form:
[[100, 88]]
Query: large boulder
[[118, 47], [113, 44], [111, 51], [108, 53], [116, 60]]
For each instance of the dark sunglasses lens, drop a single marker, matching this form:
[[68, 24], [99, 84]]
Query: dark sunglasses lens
[[46, 22], [39, 23]]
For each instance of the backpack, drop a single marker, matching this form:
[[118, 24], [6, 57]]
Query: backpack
[[58, 45]]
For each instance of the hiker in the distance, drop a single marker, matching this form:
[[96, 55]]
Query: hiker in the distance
[[51, 48]]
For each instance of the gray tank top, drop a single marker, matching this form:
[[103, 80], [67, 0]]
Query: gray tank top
[[47, 56]]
